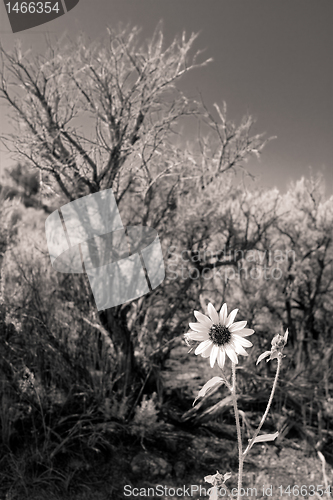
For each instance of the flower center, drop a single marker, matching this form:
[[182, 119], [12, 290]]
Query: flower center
[[219, 334]]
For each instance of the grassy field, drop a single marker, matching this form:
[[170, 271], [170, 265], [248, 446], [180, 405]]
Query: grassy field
[[267, 474], [169, 456]]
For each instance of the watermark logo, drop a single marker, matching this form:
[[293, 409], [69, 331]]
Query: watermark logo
[[122, 263], [228, 265], [24, 15]]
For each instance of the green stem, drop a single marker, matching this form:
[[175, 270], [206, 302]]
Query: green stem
[[239, 433], [249, 446]]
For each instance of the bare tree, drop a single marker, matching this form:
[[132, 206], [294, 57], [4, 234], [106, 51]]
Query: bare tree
[[92, 117], [85, 111]]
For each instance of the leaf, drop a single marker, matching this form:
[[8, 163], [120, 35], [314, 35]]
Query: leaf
[[210, 479], [286, 336], [208, 385], [227, 476], [266, 437], [262, 356]]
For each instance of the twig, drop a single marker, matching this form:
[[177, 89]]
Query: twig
[[249, 446]]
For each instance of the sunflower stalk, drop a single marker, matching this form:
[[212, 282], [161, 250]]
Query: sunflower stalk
[[249, 446], [239, 433], [220, 337]]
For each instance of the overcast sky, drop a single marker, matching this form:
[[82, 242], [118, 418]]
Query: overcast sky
[[272, 58]]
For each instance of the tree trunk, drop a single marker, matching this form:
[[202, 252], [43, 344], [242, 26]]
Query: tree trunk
[[121, 337]]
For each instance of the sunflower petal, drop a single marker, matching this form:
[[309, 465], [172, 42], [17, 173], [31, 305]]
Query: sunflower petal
[[237, 326], [245, 332], [198, 327], [213, 355], [204, 320], [241, 340], [202, 347], [221, 358], [207, 351], [231, 317], [231, 353], [197, 335], [240, 350], [213, 314], [223, 314]]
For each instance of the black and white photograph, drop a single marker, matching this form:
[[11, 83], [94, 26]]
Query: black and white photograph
[[166, 249]]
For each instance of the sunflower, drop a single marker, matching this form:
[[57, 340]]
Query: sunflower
[[219, 335]]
